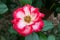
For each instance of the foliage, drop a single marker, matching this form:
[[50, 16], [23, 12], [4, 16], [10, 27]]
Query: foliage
[[51, 37], [33, 36], [49, 31], [48, 25], [23, 2], [3, 8]]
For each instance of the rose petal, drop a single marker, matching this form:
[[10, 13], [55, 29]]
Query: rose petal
[[34, 9], [21, 24], [19, 13], [33, 16], [34, 13], [41, 15], [26, 10], [38, 26], [28, 30]]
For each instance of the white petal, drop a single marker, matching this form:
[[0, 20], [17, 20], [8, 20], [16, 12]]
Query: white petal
[[21, 24], [36, 26], [27, 30], [32, 9], [20, 14], [26, 9], [33, 16]]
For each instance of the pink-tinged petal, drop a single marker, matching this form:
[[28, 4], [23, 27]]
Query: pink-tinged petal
[[41, 15], [38, 18], [38, 26], [19, 13], [21, 24], [26, 9], [34, 9], [27, 31], [15, 20], [33, 16]]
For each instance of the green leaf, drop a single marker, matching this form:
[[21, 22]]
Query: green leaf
[[32, 36], [51, 37], [58, 36], [23, 2], [11, 30], [48, 25], [42, 36], [4, 1], [58, 10], [1, 16], [39, 3], [59, 26], [2, 38], [3, 8]]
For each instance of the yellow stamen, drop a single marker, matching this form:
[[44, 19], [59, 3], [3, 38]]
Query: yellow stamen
[[27, 19]]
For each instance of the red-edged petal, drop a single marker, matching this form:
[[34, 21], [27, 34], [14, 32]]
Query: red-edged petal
[[38, 26], [35, 14], [26, 9], [15, 20], [19, 13], [38, 18], [27, 30], [21, 24], [33, 9], [41, 15]]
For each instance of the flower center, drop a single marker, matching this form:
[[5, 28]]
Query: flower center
[[27, 19]]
